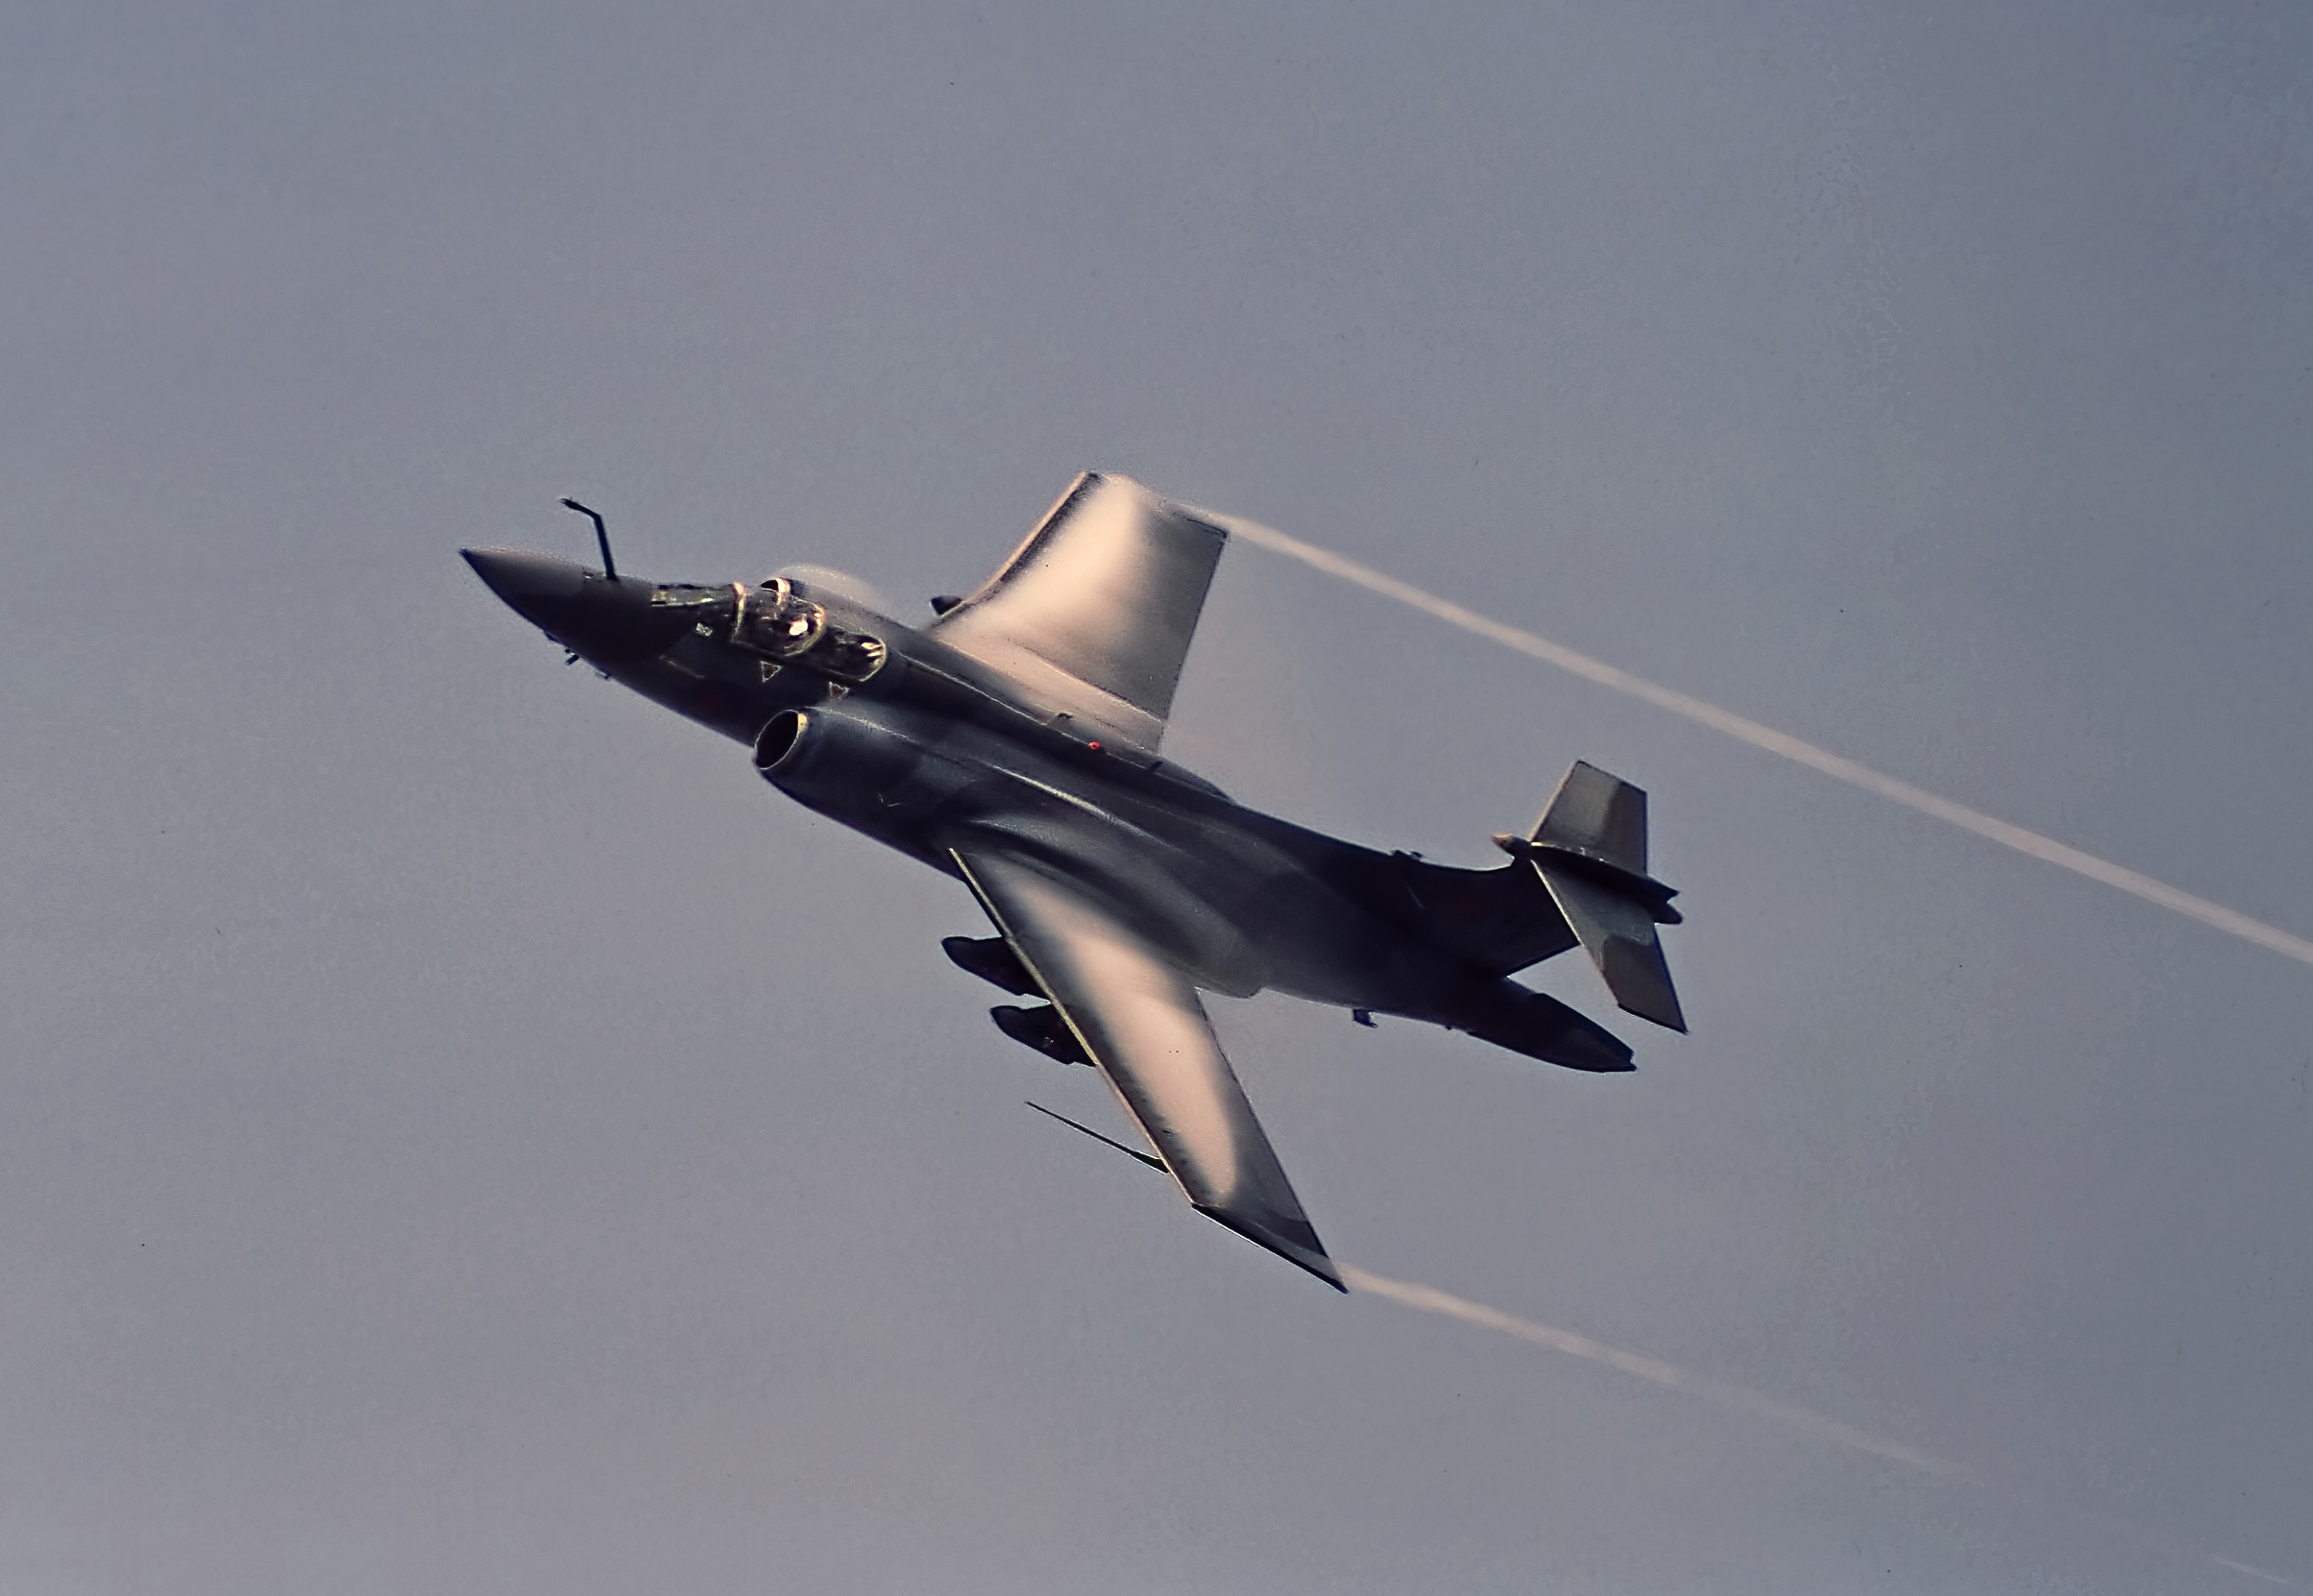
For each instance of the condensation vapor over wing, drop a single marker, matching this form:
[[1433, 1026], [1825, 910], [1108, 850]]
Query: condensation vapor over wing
[[1924, 802]]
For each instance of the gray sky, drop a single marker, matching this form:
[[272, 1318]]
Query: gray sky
[[461, 1132]]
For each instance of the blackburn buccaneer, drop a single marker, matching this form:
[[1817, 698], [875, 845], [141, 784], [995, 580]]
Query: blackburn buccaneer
[[1015, 744]]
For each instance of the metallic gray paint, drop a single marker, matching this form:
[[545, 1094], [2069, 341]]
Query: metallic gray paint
[[1122, 885]]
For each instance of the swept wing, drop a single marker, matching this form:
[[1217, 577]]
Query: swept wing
[[1140, 1021], [1094, 612]]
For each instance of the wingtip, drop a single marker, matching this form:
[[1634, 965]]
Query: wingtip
[[1311, 1256], [1661, 1008]]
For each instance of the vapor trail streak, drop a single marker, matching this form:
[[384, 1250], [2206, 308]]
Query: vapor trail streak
[[1430, 1300], [2250, 1570], [2039, 847], [1654, 1371]]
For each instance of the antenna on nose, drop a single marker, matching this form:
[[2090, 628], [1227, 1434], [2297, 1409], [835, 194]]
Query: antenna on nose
[[609, 567]]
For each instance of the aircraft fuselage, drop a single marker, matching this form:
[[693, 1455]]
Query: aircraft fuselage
[[930, 752]]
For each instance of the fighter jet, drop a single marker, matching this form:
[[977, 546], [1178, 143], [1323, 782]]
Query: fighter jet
[[1013, 743]]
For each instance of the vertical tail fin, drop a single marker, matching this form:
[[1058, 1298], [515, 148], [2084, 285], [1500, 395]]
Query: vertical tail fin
[[1590, 849], [1596, 815]]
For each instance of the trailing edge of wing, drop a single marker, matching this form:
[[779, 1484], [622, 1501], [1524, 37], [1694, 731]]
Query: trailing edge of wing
[[1140, 1020], [1094, 612]]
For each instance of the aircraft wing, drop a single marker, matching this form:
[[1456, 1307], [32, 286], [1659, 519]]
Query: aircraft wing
[[1094, 612], [1140, 1021]]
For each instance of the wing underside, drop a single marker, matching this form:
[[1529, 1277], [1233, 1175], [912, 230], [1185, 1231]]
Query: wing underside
[[1141, 1023], [1094, 612]]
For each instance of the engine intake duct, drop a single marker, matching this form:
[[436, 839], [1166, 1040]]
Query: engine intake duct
[[831, 753]]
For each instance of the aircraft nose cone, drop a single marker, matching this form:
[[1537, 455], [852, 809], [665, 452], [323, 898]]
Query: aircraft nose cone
[[583, 610], [519, 577]]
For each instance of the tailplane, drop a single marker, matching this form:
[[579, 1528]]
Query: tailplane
[[1590, 850]]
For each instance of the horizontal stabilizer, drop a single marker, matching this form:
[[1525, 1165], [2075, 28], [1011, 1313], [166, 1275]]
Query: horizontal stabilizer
[[1590, 849], [1620, 936]]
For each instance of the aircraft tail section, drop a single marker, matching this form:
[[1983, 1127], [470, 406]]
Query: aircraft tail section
[[1590, 850]]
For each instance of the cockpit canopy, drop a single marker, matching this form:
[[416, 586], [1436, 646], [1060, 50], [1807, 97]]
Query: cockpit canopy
[[779, 621]]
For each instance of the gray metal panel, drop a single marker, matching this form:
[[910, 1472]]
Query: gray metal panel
[[1598, 814], [1141, 1023], [1095, 611], [1618, 934]]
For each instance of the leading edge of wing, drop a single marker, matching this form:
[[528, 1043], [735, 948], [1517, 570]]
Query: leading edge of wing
[[1140, 1020]]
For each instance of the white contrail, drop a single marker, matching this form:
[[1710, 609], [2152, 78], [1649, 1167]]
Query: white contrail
[[1430, 1300], [2248, 1569], [1655, 1371], [1773, 741]]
